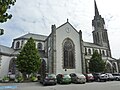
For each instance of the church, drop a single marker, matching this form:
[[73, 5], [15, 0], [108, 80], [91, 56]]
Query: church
[[63, 50]]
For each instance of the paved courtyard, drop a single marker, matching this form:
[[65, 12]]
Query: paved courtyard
[[114, 85]]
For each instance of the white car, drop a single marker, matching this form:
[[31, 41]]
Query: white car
[[78, 78], [116, 76], [110, 77]]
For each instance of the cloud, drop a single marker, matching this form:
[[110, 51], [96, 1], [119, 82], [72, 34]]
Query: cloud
[[37, 16]]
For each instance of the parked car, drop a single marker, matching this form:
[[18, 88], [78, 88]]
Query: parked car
[[78, 78], [89, 77], [12, 76], [110, 77], [100, 77], [63, 78], [116, 76], [49, 79], [38, 76]]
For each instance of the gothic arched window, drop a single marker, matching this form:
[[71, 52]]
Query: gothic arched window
[[68, 54], [103, 53], [89, 51], [39, 46], [100, 51], [17, 45]]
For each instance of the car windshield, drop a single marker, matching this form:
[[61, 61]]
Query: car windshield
[[80, 75], [110, 75], [66, 76], [89, 74], [102, 75], [51, 76], [115, 74]]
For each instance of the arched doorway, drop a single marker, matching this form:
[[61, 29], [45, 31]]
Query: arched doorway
[[108, 68], [114, 68], [12, 66], [42, 70]]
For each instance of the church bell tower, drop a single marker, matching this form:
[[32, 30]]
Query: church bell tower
[[100, 35]]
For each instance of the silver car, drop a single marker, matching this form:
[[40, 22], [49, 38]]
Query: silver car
[[78, 78]]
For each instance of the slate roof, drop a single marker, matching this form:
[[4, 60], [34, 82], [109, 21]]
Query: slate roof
[[34, 36], [92, 45], [7, 50]]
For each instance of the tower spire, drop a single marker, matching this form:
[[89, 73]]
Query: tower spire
[[96, 9]]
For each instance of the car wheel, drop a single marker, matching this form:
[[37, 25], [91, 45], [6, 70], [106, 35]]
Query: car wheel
[[75, 82], [44, 83], [60, 82], [98, 80], [83, 82], [117, 79]]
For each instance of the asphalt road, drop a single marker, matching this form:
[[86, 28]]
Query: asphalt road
[[111, 85]]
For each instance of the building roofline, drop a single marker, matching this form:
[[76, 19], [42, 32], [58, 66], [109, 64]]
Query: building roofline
[[69, 24], [23, 36]]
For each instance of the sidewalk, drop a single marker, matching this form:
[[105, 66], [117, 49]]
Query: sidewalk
[[21, 84], [18, 86]]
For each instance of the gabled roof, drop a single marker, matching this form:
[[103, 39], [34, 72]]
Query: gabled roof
[[92, 45], [67, 23], [34, 36]]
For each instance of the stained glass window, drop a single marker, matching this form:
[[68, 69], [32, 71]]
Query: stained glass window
[[68, 54]]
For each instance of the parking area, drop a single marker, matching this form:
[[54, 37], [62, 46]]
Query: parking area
[[111, 85]]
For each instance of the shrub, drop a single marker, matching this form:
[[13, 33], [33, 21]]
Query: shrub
[[5, 79], [19, 79], [33, 78]]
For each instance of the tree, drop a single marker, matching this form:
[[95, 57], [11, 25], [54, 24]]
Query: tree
[[96, 63], [28, 61], [4, 6]]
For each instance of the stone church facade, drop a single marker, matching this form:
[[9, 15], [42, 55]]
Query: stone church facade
[[64, 50]]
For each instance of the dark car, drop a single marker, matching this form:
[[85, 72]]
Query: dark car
[[100, 77], [49, 79], [63, 78], [78, 78], [89, 77], [116, 76]]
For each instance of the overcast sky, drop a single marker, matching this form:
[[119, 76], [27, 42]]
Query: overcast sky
[[37, 16]]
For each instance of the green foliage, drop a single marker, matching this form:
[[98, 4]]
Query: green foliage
[[33, 77], [4, 6], [5, 79], [96, 63], [19, 79], [28, 61]]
